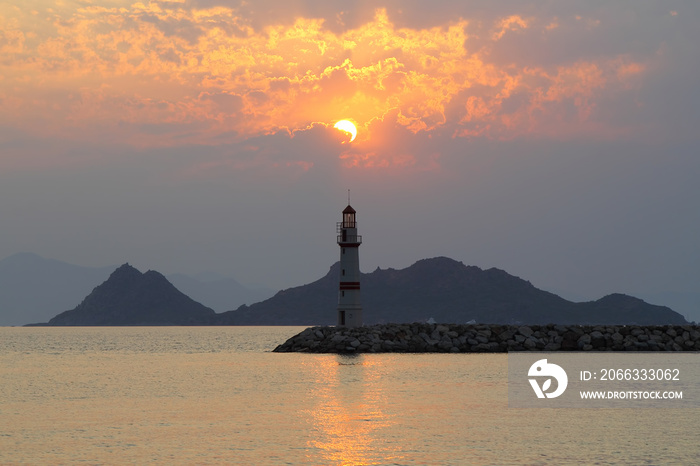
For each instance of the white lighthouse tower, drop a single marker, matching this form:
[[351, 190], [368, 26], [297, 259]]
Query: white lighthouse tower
[[349, 307]]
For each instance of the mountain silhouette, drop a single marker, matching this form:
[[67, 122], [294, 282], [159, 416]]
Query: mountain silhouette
[[446, 291], [441, 289], [33, 288], [130, 297]]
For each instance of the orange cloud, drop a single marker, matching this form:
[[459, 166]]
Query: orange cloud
[[162, 73], [511, 23]]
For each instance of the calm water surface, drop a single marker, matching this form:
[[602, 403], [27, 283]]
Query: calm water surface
[[217, 395]]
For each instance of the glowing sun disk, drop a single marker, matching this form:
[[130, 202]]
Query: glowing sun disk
[[348, 127]]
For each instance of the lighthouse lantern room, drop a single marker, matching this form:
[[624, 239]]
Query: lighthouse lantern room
[[349, 307]]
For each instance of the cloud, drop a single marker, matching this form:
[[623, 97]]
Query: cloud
[[511, 23], [167, 73]]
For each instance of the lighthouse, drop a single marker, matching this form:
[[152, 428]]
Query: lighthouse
[[349, 307]]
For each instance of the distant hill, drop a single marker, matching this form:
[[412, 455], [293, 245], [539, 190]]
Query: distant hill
[[687, 303], [130, 297], [440, 288], [33, 288], [447, 291]]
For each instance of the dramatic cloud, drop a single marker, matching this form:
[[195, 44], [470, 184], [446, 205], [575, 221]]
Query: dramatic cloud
[[166, 73]]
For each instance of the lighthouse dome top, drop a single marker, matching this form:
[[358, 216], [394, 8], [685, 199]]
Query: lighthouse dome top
[[349, 210]]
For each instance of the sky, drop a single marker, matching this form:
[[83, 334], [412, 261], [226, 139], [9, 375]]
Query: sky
[[557, 140]]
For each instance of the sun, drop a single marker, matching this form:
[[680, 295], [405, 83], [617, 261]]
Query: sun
[[347, 126]]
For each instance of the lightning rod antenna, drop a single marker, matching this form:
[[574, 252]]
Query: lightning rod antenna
[[348, 197]]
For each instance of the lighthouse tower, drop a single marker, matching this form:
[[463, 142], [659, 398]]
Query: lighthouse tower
[[349, 307]]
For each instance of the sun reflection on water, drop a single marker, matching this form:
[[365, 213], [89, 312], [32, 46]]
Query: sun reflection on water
[[348, 416]]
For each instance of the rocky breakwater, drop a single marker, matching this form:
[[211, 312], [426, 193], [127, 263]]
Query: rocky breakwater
[[454, 338]]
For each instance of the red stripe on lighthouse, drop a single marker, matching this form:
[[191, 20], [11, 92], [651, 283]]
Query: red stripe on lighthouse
[[349, 285]]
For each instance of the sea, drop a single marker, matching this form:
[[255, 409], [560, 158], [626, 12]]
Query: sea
[[218, 395]]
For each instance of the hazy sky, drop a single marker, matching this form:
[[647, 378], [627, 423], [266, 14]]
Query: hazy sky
[[557, 140]]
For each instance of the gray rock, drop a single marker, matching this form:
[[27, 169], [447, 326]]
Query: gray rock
[[445, 345], [506, 335], [597, 340], [584, 340], [530, 344]]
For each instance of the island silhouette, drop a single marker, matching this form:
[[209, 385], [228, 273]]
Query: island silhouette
[[431, 290]]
